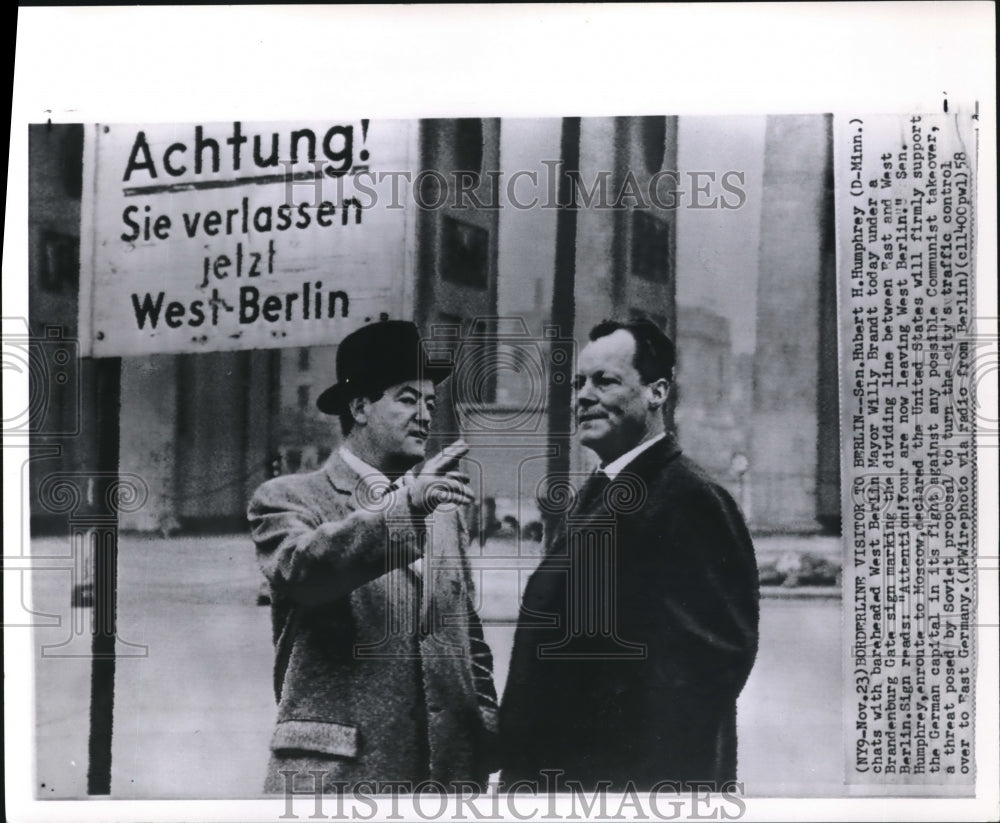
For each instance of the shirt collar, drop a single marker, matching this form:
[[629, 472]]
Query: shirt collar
[[614, 468]]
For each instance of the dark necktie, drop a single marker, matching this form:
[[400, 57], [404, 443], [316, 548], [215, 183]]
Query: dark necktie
[[592, 491]]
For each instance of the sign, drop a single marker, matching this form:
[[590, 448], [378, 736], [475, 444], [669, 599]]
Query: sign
[[225, 236]]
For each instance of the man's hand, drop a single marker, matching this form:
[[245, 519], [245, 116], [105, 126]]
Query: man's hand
[[439, 482]]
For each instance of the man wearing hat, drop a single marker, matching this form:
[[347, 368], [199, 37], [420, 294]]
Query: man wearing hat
[[381, 673]]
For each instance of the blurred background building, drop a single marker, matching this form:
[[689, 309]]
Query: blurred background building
[[741, 276]]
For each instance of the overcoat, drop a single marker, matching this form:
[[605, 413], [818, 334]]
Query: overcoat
[[381, 674], [636, 634]]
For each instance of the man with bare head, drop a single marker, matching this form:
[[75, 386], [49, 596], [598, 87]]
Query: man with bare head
[[639, 627]]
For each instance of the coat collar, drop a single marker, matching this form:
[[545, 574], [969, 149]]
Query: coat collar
[[645, 466], [652, 460], [347, 480], [341, 476]]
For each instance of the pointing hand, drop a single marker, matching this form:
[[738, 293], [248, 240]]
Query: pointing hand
[[440, 482]]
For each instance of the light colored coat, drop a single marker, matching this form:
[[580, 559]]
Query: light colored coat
[[380, 670]]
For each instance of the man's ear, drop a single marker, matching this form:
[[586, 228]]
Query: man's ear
[[358, 407], [659, 391]]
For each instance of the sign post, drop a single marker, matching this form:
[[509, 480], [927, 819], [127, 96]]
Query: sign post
[[104, 513]]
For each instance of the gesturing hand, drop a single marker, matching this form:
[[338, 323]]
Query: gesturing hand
[[439, 482]]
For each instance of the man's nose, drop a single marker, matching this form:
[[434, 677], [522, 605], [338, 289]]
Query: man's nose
[[585, 395]]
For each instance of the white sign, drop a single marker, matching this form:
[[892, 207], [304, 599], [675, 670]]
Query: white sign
[[223, 236]]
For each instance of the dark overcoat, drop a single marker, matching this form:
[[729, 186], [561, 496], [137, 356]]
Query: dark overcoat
[[380, 671], [636, 634]]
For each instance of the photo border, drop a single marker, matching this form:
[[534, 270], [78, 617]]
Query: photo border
[[135, 64]]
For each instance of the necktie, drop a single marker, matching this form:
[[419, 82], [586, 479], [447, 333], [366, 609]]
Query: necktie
[[592, 491]]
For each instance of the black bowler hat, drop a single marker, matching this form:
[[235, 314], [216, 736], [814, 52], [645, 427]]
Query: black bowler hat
[[375, 357]]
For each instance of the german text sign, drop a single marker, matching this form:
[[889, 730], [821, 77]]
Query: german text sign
[[210, 237]]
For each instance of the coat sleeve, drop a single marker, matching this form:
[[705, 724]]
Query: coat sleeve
[[696, 611], [312, 561], [481, 660], [486, 695], [482, 674], [706, 595], [481, 655]]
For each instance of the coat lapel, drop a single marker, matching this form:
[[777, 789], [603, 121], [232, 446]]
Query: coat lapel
[[643, 470], [343, 478], [650, 463]]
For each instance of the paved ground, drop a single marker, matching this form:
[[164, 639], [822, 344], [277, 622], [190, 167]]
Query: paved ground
[[193, 702]]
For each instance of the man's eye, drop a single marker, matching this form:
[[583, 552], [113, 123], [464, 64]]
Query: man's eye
[[431, 405], [579, 383]]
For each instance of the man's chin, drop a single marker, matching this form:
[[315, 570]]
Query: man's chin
[[409, 456], [416, 447]]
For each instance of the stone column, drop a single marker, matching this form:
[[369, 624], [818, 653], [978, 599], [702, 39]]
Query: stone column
[[795, 223]]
